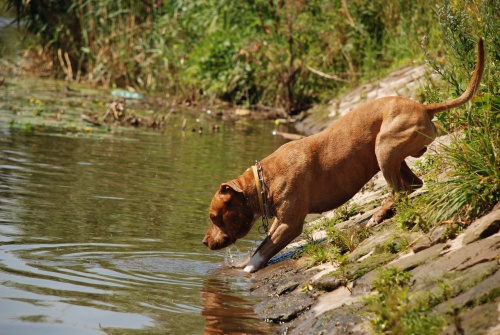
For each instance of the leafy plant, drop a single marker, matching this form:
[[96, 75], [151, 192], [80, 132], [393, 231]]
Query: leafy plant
[[252, 53], [473, 186], [393, 310], [410, 213], [347, 240]]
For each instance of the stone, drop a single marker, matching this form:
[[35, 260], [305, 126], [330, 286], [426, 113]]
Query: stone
[[328, 283], [411, 261], [287, 286], [339, 321], [426, 241], [242, 112], [284, 308], [332, 300], [490, 284], [483, 227], [451, 261], [482, 319], [371, 243]]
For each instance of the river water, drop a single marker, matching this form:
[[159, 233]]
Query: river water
[[102, 234]]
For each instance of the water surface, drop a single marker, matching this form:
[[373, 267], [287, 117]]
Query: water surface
[[102, 234]]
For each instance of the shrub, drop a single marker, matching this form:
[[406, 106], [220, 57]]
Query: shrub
[[259, 52], [473, 186]]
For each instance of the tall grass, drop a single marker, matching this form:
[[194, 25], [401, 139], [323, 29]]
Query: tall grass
[[472, 161], [473, 186], [256, 52]]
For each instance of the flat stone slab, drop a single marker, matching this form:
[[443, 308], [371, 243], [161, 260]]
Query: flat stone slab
[[410, 261], [335, 299], [284, 308], [486, 286], [484, 226], [428, 240]]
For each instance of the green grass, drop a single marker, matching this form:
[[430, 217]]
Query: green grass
[[393, 310], [473, 164]]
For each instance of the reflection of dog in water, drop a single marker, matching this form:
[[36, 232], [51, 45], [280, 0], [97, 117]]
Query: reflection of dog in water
[[225, 312], [323, 171]]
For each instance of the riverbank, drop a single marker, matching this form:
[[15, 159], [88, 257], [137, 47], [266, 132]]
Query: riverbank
[[457, 279], [36, 104]]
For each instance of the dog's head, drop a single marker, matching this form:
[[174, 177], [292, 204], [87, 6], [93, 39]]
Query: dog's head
[[231, 216]]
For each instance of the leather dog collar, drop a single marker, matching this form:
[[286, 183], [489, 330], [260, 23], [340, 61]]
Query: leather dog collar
[[261, 193]]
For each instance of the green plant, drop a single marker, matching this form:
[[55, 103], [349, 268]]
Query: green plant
[[318, 253], [347, 240], [409, 213], [343, 213], [473, 186], [394, 245], [246, 52], [392, 310]]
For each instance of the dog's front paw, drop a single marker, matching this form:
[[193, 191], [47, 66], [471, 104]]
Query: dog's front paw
[[250, 269], [372, 222], [256, 262]]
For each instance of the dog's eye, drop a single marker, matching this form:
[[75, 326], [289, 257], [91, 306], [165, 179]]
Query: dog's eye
[[215, 219]]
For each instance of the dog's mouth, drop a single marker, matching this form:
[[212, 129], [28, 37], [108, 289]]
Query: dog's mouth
[[213, 244]]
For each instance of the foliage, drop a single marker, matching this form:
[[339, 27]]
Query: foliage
[[318, 252], [471, 161], [255, 52], [393, 245], [409, 213], [462, 22], [343, 213], [347, 240], [473, 186], [393, 310]]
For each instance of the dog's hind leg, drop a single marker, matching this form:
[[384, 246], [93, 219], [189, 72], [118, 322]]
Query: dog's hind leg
[[393, 168], [410, 181]]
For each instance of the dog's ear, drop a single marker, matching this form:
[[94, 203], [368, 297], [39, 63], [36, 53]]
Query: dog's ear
[[227, 190]]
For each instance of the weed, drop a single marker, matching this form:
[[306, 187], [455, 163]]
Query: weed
[[347, 240], [392, 310], [409, 213], [343, 213], [394, 245], [473, 186], [317, 253]]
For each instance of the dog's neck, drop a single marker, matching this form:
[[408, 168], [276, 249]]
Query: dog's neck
[[261, 190], [261, 195]]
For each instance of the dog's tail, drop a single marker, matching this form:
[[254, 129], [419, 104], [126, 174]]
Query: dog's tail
[[471, 88]]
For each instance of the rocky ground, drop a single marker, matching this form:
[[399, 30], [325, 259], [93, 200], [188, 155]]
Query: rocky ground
[[320, 300], [459, 276]]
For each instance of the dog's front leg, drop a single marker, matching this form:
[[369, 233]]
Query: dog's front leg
[[273, 243]]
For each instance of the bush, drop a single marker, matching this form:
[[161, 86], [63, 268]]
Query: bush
[[258, 52], [473, 186]]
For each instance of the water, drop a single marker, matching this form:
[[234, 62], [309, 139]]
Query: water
[[102, 234]]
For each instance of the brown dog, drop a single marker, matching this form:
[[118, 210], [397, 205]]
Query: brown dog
[[323, 171]]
